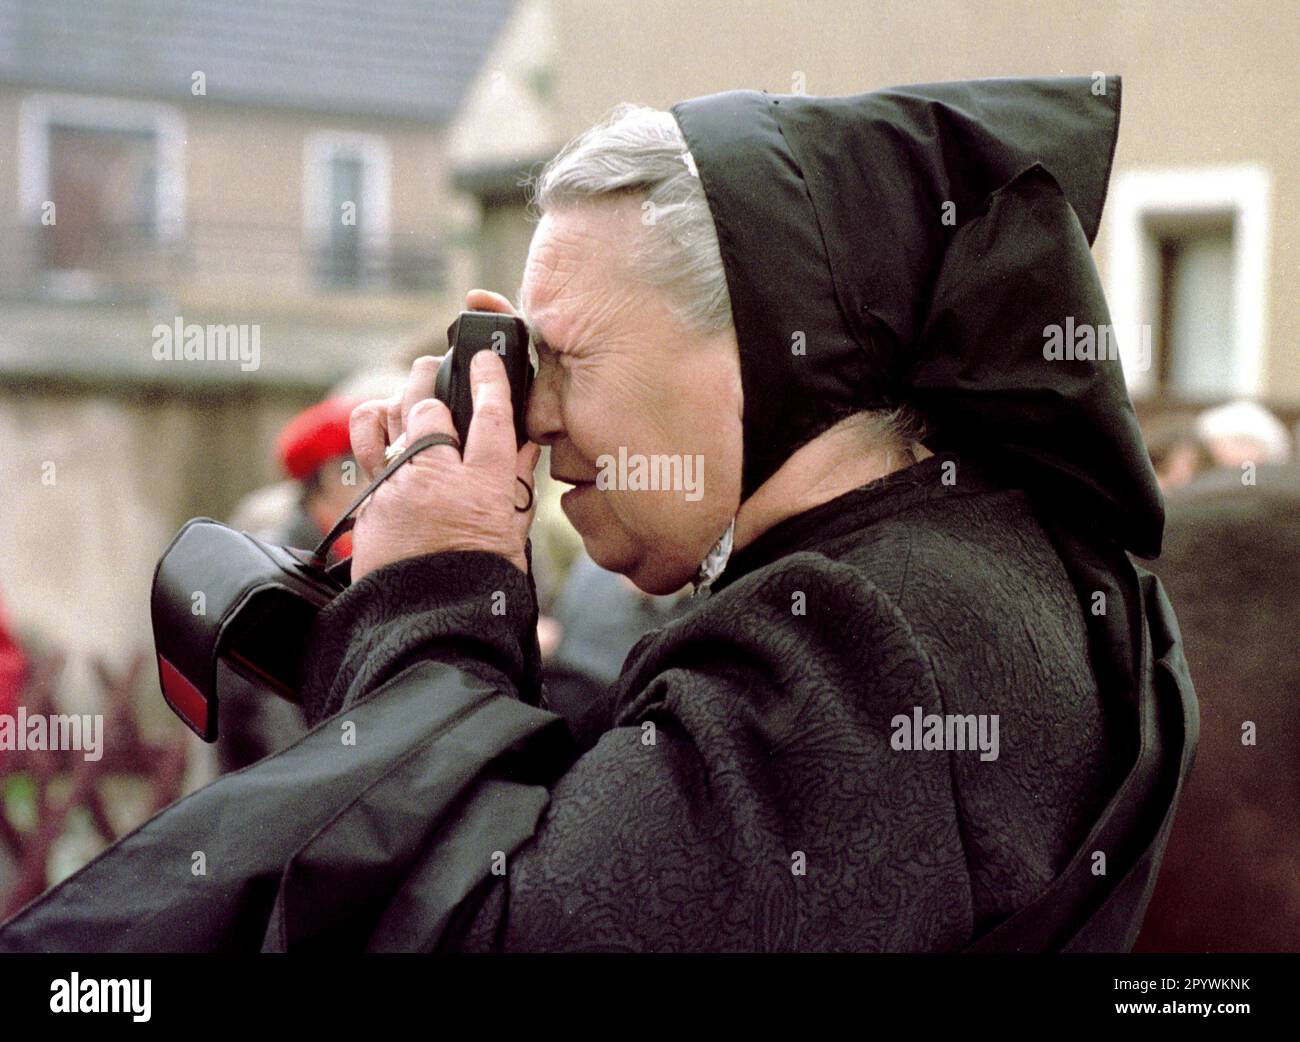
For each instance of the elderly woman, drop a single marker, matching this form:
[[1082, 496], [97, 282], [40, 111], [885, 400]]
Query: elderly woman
[[924, 702]]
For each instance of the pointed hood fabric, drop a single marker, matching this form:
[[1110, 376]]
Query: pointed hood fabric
[[930, 245], [914, 245]]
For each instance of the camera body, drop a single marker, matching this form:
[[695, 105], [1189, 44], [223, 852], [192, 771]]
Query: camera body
[[472, 332], [223, 596]]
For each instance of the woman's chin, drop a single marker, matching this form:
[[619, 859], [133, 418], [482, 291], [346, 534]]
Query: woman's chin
[[652, 572], [612, 555], [655, 566], [659, 584], [645, 568]]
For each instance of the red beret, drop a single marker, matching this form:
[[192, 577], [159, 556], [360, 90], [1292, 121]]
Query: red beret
[[315, 436]]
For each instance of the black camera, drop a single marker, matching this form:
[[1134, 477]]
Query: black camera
[[223, 597]]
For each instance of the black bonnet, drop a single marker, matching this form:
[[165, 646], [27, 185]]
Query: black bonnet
[[913, 245]]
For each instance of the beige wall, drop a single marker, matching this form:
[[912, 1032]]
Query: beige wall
[[506, 233], [264, 186], [1204, 82]]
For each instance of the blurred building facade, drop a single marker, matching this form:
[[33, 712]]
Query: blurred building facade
[[265, 182], [1198, 241], [194, 163]]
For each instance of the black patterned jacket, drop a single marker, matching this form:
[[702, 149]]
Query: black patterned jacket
[[748, 795], [751, 790]]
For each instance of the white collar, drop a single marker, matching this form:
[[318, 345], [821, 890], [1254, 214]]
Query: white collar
[[715, 561]]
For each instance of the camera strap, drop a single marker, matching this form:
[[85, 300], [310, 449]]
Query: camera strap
[[344, 524]]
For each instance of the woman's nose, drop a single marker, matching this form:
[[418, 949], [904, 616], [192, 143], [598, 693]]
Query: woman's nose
[[542, 415]]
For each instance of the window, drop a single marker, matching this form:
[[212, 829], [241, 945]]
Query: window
[[106, 183], [1189, 263], [1192, 328], [346, 206], [100, 190]]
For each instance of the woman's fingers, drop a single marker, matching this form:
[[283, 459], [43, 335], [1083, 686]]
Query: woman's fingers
[[419, 385], [368, 429], [431, 416], [525, 466], [424, 370], [449, 503], [526, 462], [393, 418], [498, 430], [491, 439], [486, 300]]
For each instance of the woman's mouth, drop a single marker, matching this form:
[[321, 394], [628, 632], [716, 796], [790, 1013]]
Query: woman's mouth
[[575, 482], [579, 487]]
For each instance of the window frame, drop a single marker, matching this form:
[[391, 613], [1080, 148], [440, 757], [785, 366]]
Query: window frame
[[1241, 193], [39, 112], [319, 150]]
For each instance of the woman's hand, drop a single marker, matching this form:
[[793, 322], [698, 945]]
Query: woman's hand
[[438, 501]]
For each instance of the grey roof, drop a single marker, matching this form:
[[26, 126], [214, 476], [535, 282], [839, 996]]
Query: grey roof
[[404, 58], [499, 182]]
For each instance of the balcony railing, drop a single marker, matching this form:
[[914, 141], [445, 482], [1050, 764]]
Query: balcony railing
[[125, 262]]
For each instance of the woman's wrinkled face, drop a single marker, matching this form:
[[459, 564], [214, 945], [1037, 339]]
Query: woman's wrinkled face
[[642, 416]]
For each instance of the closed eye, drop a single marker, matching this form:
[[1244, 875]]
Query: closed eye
[[546, 355], [540, 348]]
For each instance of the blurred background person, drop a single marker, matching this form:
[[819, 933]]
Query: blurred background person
[[314, 449], [1231, 563], [1177, 452], [598, 618], [1243, 431], [1213, 445], [13, 671]]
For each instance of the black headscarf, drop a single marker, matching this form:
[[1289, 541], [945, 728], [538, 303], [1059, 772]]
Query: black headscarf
[[916, 245], [911, 245]]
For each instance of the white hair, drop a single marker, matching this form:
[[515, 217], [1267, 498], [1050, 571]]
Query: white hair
[[1247, 419], [641, 153]]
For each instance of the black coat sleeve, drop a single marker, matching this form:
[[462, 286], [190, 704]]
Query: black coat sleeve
[[746, 797], [474, 611]]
